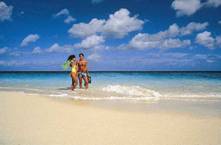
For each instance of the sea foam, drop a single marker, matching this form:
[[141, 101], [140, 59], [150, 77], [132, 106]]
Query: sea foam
[[131, 91]]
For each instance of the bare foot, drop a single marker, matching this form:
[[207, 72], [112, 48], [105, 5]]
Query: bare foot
[[72, 88]]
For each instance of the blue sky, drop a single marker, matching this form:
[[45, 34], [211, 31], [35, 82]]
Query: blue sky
[[114, 35]]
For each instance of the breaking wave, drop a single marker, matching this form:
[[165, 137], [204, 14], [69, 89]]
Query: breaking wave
[[136, 91], [112, 92]]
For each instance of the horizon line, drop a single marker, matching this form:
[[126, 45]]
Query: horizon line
[[8, 71]]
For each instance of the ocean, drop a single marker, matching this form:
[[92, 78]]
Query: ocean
[[193, 91], [141, 86]]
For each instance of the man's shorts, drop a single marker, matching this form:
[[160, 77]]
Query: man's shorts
[[82, 75]]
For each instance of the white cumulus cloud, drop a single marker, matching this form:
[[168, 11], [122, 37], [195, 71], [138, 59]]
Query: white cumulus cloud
[[118, 25], [69, 19], [90, 42], [193, 27], [65, 12], [29, 39], [169, 38], [186, 7], [58, 48], [121, 23], [3, 50], [5, 11], [213, 3], [207, 40], [218, 41], [189, 7], [174, 30], [94, 57], [37, 50], [147, 41], [84, 29]]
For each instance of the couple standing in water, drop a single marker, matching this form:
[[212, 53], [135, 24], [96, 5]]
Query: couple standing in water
[[79, 71]]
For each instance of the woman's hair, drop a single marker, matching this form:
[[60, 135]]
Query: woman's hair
[[71, 57]]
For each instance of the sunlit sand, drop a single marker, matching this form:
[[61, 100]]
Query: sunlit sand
[[34, 120]]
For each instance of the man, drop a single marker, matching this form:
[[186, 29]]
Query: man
[[82, 71]]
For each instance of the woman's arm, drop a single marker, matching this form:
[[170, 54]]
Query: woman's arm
[[71, 63]]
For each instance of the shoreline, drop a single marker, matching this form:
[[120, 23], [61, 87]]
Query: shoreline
[[210, 106], [35, 119]]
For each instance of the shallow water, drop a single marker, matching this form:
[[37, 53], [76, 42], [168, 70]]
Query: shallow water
[[141, 86], [198, 92]]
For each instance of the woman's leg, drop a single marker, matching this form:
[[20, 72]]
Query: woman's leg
[[74, 80], [72, 86]]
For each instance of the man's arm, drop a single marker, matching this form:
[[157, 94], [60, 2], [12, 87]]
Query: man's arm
[[86, 63]]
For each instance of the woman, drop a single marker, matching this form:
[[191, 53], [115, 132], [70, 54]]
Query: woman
[[74, 70]]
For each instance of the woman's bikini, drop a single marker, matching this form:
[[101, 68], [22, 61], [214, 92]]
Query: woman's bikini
[[74, 69]]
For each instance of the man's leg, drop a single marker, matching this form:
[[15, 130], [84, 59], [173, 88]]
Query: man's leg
[[85, 82], [80, 81]]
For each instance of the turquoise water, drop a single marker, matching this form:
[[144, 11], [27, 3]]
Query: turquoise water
[[142, 86]]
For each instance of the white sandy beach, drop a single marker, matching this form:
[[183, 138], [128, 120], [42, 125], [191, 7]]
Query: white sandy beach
[[37, 120]]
